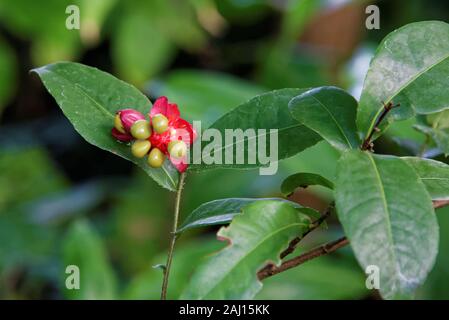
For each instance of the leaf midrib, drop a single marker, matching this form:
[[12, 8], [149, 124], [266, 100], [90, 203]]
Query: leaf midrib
[[220, 211], [386, 210], [237, 262], [205, 223], [174, 184], [80, 89]]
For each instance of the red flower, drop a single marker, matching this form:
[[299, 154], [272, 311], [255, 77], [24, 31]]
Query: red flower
[[178, 129]]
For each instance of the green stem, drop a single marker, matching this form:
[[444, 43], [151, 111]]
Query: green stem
[[173, 237]]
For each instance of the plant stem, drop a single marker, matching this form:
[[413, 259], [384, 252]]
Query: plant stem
[[312, 254], [313, 226], [268, 270], [367, 143], [173, 237]]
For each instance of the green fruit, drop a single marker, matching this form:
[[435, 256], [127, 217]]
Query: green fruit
[[118, 123], [141, 129], [140, 148], [177, 149], [160, 123], [156, 158]]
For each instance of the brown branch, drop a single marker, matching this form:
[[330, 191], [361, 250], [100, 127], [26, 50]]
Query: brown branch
[[440, 203], [367, 143], [327, 248], [292, 245], [313, 226], [309, 255]]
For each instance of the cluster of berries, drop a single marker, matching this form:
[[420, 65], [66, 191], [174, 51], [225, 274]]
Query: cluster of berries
[[164, 135]]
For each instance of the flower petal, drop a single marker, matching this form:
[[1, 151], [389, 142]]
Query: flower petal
[[125, 137], [170, 110], [128, 117], [173, 113], [159, 106]]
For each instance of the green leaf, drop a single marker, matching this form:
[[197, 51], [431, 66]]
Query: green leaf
[[410, 67], [258, 235], [220, 211], [434, 175], [90, 98], [303, 180], [83, 248], [329, 111], [266, 111], [388, 217]]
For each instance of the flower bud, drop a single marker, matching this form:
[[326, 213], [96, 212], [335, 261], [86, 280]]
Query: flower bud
[[128, 117], [140, 148], [124, 137], [177, 149], [141, 129], [160, 123], [156, 158]]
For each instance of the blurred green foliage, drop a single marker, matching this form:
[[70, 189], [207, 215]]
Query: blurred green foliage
[[83, 248], [62, 202], [23, 180], [436, 284], [197, 91], [326, 278]]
